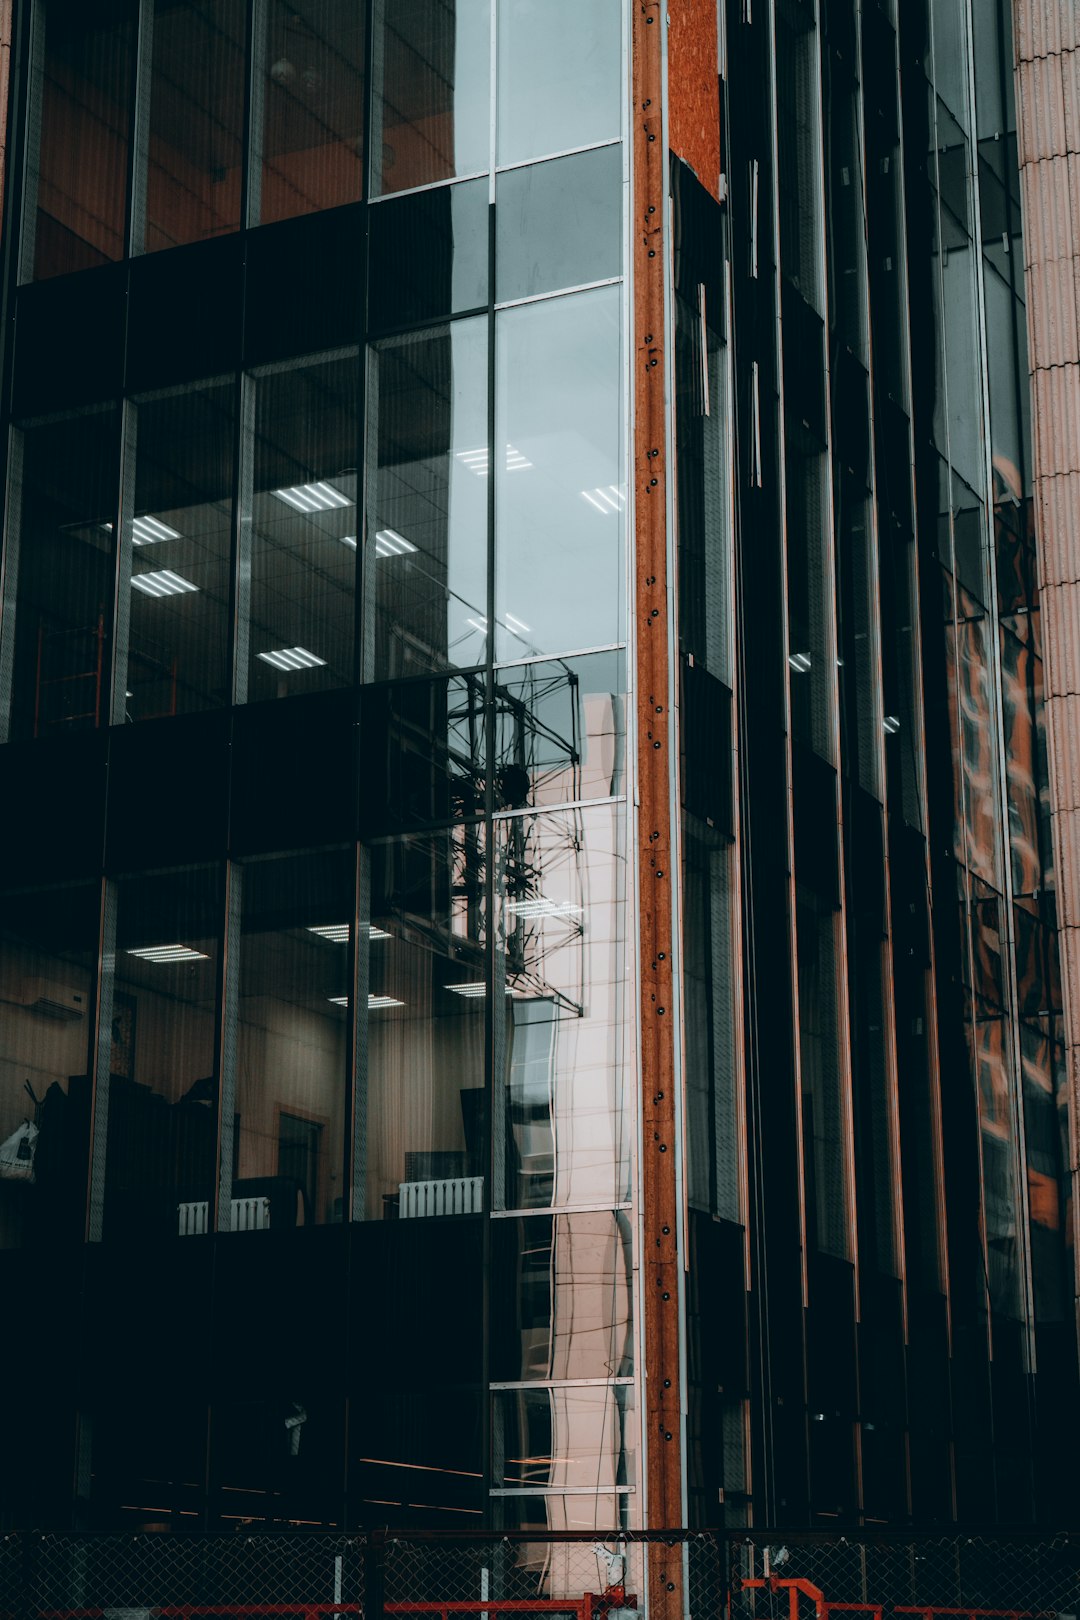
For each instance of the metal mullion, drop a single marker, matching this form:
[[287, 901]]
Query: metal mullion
[[123, 561], [12, 474], [101, 1062], [357, 1080], [20, 200], [254, 96], [139, 132], [225, 1057], [240, 579]]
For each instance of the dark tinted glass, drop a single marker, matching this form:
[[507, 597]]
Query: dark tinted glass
[[429, 256], [431, 92], [559, 224], [78, 159], [191, 187], [62, 520], [312, 107]]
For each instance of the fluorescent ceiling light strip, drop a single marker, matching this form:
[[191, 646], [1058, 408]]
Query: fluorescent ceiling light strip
[[471, 991], [162, 583], [145, 531], [317, 497], [374, 1002], [388, 543], [799, 661], [289, 658], [540, 906], [168, 953], [349, 540], [338, 933], [587, 495], [516, 624], [892, 724]]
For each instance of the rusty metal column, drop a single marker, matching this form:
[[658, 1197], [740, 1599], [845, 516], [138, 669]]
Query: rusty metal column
[[661, 1266], [1047, 39]]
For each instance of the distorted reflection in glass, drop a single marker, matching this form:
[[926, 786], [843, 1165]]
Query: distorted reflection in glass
[[178, 543], [567, 1287], [565, 1437], [48, 949], [288, 1150], [427, 522], [192, 183], [312, 108], [561, 965], [77, 163], [560, 481], [430, 92], [560, 731], [426, 1001], [303, 533], [427, 256], [423, 746], [62, 508], [555, 1568], [162, 1085], [560, 76]]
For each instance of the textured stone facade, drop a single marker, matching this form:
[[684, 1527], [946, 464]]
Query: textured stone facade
[[1047, 34]]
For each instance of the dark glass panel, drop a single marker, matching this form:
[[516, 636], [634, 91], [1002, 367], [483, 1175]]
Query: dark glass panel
[[559, 224], [422, 1462], [565, 1439], [177, 553], [292, 1043], [279, 1462], [560, 731], [422, 747], [147, 1458], [192, 186], [320, 259], [69, 341], [312, 107], [713, 1078], [83, 82], [428, 256], [561, 880], [560, 76], [822, 1078], [559, 475], [432, 77], [48, 951], [426, 563], [303, 537], [185, 764], [293, 780], [161, 1090], [426, 999], [185, 314], [62, 510]]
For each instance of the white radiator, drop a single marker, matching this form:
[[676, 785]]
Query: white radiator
[[461, 1195], [248, 1215]]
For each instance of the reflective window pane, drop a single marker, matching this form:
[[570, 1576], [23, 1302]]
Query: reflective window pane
[[426, 1000], [559, 224], [78, 157], [178, 545], [312, 108], [288, 1127], [161, 1085], [432, 75], [62, 508], [564, 1285], [560, 76], [303, 529], [427, 527], [560, 731], [48, 947], [424, 747], [560, 965], [428, 256], [560, 489], [565, 1439], [191, 188]]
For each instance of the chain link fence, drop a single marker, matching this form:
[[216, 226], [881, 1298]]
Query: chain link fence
[[714, 1576]]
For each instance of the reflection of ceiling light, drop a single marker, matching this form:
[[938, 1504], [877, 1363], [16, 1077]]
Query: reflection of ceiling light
[[477, 460], [607, 499], [892, 724], [169, 953], [163, 583], [145, 531], [372, 1001], [320, 497], [388, 543], [339, 932], [478, 624], [349, 540], [292, 658], [799, 662], [516, 624], [540, 906], [469, 990]]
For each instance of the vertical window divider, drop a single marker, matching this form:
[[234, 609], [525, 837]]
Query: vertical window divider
[[101, 1062], [139, 140], [9, 574], [34, 13], [228, 996], [243, 491], [357, 1081], [123, 559], [254, 96]]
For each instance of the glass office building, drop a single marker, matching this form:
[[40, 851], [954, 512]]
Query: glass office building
[[327, 1059]]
